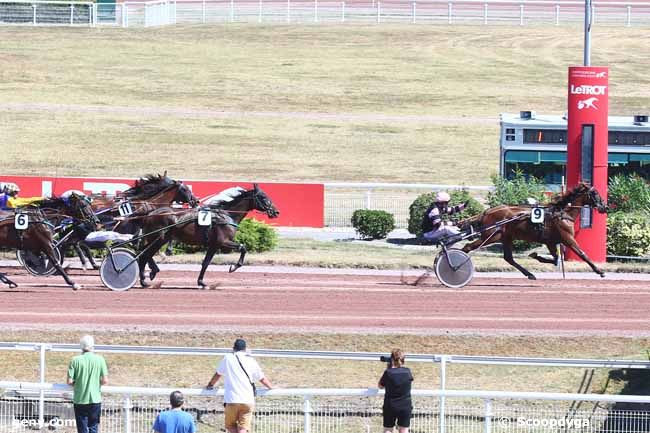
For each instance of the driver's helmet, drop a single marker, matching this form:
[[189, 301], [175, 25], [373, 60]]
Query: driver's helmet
[[442, 197], [11, 188]]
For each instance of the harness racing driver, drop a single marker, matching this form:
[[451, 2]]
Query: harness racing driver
[[434, 227]]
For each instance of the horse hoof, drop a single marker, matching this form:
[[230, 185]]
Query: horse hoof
[[602, 275], [13, 285], [532, 277], [76, 286], [533, 255], [144, 284], [233, 268]]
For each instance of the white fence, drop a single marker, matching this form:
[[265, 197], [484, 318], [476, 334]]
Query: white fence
[[342, 199], [163, 12], [133, 410]]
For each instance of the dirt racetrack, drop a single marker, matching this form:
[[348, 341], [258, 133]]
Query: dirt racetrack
[[298, 300]]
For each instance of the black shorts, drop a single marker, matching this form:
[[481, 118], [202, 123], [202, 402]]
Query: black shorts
[[400, 416]]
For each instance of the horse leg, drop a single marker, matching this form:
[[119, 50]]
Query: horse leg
[[507, 256], [60, 270], [236, 247], [552, 248], [86, 249], [80, 254], [571, 243], [209, 254], [148, 251], [7, 281]]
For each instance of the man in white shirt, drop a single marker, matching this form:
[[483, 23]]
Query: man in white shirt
[[240, 372]]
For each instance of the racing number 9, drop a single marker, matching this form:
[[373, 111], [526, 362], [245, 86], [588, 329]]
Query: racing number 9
[[21, 221], [537, 215]]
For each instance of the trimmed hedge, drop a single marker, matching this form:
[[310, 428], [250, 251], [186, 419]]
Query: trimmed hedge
[[257, 236], [373, 224], [420, 205], [628, 234]]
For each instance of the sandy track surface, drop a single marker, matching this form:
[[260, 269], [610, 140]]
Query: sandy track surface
[[312, 302]]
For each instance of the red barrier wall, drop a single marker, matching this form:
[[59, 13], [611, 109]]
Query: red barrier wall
[[300, 205]]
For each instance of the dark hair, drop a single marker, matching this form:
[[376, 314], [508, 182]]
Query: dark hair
[[176, 399], [397, 357]]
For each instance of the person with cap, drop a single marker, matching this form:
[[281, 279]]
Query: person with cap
[[240, 372], [174, 420], [434, 228], [9, 197], [398, 407], [87, 373]]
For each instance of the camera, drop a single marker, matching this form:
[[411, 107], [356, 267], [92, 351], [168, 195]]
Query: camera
[[386, 359]]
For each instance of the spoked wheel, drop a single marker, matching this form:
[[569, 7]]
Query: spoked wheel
[[455, 269], [119, 270], [38, 265]]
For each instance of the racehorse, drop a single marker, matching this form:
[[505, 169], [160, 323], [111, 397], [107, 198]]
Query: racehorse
[[149, 192], [36, 237], [558, 227], [218, 236]]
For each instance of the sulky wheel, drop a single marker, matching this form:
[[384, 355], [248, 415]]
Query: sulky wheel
[[38, 265], [454, 269], [119, 270]]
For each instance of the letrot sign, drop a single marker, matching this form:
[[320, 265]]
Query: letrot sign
[[300, 204], [587, 142]]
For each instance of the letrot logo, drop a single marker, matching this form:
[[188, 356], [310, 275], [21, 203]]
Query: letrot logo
[[587, 103], [588, 90]]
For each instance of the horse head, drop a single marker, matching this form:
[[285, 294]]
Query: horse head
[[263, 203], [81, 208], [596, 200], [184, 195]]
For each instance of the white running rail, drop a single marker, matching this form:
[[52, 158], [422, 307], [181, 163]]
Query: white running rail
[[133, 409]]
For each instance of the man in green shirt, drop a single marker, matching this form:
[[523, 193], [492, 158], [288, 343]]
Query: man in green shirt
[[87, 373]]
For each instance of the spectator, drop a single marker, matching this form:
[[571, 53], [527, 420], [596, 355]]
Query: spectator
[[174, 420], [240, 373], [87, 373], [397, 400]]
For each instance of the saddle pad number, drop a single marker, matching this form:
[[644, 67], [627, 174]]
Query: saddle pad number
[[125, 209], [537, 215], [205, 218], [21, 221]]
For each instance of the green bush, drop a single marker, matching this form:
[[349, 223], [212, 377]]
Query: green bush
[[628, 193], [516, 190], [372, 224], [420, 205], [256, 236], [628, 234]]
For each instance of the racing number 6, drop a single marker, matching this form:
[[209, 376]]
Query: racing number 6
[[21, 221]]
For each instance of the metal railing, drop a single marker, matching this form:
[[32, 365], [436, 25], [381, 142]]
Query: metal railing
[[164, 12], [133, 410]]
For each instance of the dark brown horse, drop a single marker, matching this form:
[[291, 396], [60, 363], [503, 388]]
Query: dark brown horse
[[558, 226], [36, 237], [218, 236]]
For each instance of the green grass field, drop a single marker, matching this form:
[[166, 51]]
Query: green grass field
[[407, 103]]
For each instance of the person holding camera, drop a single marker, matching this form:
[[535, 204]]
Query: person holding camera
[[396, 380], [240, 373]]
